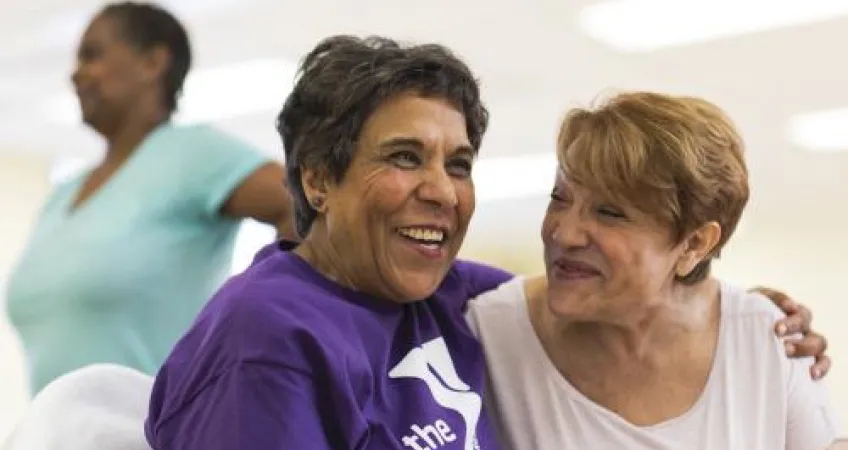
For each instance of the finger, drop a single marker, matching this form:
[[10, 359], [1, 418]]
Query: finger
[[789, 325], [821, 367], [780, 299], [811, 345], [806, 319], [783, 301]]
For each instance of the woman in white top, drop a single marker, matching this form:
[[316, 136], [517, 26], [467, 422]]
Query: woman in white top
[[633, 345]]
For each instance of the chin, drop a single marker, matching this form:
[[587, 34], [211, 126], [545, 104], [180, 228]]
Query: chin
[[570, 305], [418, 287]]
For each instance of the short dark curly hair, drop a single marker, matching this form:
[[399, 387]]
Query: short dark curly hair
[[146, 25], [342, 81]]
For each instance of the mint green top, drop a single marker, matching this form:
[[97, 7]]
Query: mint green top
[[120, 278]]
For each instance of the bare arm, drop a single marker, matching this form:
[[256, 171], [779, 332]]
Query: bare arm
[[263, 196]]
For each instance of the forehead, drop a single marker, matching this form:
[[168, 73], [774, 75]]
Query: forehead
[[562, 178], [589, 188], [102, 28], [432, 121]]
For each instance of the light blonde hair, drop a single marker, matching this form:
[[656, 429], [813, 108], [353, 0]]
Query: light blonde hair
[[677, 159]]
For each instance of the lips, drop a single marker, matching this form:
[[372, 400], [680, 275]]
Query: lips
[[429, 240], [572, 269], [85, 91]]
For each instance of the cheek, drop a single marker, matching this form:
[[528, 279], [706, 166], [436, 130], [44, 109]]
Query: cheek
[[548, 224], [117, 78], [639, 268], [467, 202], [381, 195]]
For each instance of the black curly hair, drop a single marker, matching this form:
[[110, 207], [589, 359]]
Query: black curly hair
[[342, 81]]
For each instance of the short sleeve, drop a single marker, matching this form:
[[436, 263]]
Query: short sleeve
[[480, 278], [252, 406], [811, 419], [214, 165]]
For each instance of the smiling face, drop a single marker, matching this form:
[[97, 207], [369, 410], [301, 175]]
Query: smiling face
[[604, 261], [649, 189], [111, 75], [396, 220]]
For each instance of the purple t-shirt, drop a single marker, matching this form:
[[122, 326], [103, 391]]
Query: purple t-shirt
[[283, 358]]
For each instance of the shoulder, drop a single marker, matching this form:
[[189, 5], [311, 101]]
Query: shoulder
[[741, 306], [270, 302], [200, 141], [499, 307], [202, 164], [173, 133], [274, 316], [273, 312], [747, 335], [468, 279], [509, 295]]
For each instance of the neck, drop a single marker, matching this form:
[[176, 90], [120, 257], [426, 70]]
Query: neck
[[318, 251], [685, 316], [131, 131]]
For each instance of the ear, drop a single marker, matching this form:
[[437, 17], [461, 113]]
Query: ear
[[156, 63], [698, 246], [315, 186]]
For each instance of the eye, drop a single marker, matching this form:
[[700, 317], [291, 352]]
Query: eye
[[88, 52], [460, 167], [559, 200], [556, 197], [611, 212], [405, 159]]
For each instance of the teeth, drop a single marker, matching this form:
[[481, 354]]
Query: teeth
[[423, 234]]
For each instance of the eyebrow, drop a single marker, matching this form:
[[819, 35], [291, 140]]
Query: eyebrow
[[401, 142], [393, 143]]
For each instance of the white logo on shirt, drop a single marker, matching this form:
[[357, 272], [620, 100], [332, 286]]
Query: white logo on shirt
[[432, 364]]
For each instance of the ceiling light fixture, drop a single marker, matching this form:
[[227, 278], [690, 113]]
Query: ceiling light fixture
[[646, 25]]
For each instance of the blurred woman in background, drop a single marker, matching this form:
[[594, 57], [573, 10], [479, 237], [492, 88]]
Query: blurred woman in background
[[123, 256]]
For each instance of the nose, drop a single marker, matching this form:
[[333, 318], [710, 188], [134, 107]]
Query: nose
[[438, 188], [570, 229]]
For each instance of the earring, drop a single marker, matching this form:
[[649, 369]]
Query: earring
[[317, 203]]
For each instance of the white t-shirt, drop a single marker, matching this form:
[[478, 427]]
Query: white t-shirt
[[755, 398]]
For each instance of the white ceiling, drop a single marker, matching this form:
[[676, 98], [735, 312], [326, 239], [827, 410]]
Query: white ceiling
[[534, 63]]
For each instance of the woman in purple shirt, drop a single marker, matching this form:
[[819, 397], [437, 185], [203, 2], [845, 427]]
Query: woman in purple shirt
[[355, 338]]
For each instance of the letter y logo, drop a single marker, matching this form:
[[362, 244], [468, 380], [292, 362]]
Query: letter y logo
[[432, 364]]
